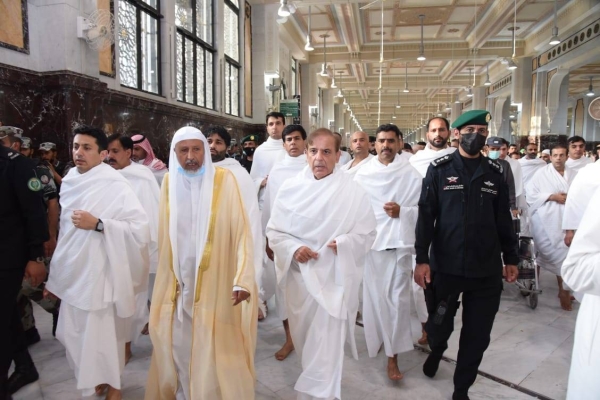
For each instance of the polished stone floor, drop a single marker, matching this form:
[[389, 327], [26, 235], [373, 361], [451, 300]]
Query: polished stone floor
[[529, 348]]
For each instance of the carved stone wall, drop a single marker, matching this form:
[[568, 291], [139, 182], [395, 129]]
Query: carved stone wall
[[48, 106]]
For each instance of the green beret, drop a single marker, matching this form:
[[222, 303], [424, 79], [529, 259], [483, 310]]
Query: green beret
[[250, 138], [473, 117]]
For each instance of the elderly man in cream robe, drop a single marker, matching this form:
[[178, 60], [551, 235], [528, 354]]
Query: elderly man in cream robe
[[359, 143], [146, 188], [583, 187], [293, 163], [219, 141], [581, 271], [267, 154], [546, 195], [393, 186], [204, 313], [99, 266], [319, 253]]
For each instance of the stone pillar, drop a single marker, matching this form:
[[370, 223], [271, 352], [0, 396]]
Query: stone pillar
[[456, 111], [479, 97], [539, 120], [521, 94]]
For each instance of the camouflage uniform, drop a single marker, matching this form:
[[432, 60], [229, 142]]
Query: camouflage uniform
[[28, 292]]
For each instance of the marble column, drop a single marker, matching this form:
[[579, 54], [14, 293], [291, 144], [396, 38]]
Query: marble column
[[479, 97]]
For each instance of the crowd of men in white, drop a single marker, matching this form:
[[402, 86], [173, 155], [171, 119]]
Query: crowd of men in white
[[209, 244]]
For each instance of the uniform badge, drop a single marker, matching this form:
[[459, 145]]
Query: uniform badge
[[34, 184], [44, 179], [488, 117], [452, 179], [488, 183]]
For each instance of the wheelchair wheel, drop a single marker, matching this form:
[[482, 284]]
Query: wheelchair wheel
[[533, 296]]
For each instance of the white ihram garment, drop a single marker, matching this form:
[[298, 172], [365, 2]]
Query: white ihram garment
[[423, 158], [547, 216], [387, 278], [579, 163], [97, 275], [347, 168], [528, 170], [265, 157], [147, 190], [285, 169], [581, 271], [248, 192], [581, 191], [322, 294]]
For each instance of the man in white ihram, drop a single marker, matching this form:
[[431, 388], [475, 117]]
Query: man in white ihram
[[359, 143], [393, 186], [267, 154], [97, 268], [147, 190], [319, 253], [293, 163], [546, 195], [219, 141], [581, 271]]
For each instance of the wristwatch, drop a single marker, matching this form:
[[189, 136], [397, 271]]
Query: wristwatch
[[99, 226]]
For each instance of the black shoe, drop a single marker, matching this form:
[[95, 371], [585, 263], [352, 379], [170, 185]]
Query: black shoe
[[21, 378], [431, 365], [54, 322], [460, 396], [32, 336]]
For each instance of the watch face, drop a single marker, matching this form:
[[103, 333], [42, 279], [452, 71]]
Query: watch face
[[100, 226]]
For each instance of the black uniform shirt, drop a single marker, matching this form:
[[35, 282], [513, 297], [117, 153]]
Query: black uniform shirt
[[23, 220], [464, 226]]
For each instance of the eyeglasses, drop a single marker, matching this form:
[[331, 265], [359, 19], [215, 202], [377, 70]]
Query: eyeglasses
[[480, 131]]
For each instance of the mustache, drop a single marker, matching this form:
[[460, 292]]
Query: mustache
[[191, 162]]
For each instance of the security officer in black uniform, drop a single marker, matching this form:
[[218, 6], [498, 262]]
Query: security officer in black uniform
[[248, 147], [464, 232], [23, 231]]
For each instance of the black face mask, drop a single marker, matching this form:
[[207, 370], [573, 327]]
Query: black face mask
[[472, 143], [249, 151]]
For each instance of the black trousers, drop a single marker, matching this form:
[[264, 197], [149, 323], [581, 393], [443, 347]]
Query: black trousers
[[480, 301], [11, 329]]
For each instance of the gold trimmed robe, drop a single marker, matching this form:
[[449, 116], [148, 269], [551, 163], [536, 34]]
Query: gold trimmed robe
[[223, 336]]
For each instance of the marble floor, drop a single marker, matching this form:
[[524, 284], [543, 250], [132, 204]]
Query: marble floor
[[529, 348]]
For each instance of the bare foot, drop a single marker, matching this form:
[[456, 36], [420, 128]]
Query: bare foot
[[565, 300], [423, 340], [128, 352], [392, 368], [113, 394], [145, 331], [262, 311], [285, 351], [100, 389]]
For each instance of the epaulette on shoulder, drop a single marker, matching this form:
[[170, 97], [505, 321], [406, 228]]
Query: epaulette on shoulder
[[496, 166], [13, 154], [442, 160]]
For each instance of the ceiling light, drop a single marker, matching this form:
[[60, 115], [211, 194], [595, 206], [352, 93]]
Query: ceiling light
[[339, 94], [470, 92], [421, 48], [284, 10], [590, 92], [397, 105], [309, 46], [324, 69], [511, 64], [504, 61], [345, 102], [487, 76], [393, 116], [405, 78], [333, 85], [554, 40]]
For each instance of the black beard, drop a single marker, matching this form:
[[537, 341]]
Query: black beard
[[217, 157], [440, 146]]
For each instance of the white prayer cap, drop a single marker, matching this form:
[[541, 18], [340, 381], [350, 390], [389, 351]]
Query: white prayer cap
[[547, 151]]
